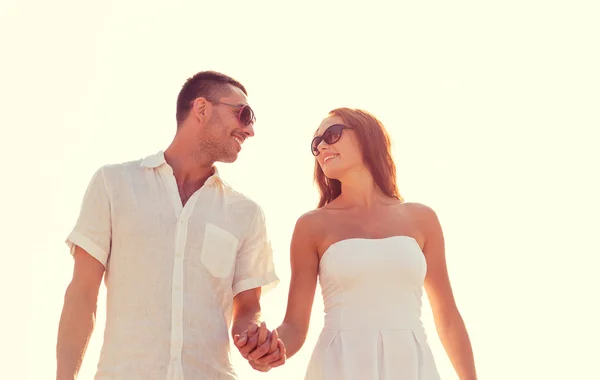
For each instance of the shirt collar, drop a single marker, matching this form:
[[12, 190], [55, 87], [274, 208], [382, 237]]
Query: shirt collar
[[154, 161], [157, 160]]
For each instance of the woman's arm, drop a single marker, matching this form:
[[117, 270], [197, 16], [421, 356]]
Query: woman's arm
[[449, 323], [304, 261]]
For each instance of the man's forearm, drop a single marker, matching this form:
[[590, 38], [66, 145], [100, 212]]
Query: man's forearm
[[242, 321], [75, 329]]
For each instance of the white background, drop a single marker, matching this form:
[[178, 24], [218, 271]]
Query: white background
[[493, 109]]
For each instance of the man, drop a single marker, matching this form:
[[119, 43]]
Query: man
[[182, 253]]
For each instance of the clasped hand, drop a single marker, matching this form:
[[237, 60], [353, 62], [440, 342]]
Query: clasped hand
[[262, 348]]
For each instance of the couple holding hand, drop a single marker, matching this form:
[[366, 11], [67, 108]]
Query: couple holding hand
[[185, 259]]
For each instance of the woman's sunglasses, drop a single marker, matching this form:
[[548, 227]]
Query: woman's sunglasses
[[330, 136], [245, 114]]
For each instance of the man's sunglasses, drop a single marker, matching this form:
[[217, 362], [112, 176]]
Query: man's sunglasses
[[330, 136], [245, 114]]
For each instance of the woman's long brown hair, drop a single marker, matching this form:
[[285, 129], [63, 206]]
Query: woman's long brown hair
[[376, 152]]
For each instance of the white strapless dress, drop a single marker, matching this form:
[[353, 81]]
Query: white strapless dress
[[372, 292]]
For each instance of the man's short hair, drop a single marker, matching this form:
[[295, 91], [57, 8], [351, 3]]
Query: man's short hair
[[210, 85]]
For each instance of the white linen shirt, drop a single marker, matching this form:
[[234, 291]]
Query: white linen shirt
[[171, 271]]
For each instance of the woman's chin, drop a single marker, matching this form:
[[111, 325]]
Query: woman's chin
[[331, 174]]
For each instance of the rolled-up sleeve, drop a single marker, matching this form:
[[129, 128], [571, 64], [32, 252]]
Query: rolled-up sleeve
[[92, 231], [254, 266]]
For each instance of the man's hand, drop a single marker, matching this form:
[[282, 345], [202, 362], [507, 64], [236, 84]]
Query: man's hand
[[274, 357], [263, 349], [254, 336]]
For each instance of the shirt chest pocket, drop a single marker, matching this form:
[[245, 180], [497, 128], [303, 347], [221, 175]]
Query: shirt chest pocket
[[219, 250]]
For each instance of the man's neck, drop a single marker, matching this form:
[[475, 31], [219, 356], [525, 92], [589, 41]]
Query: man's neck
[[187, 167]]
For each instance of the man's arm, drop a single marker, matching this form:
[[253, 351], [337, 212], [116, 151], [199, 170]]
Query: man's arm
[[247, 330], [249, 336], [254, 272], [246, 311], [78, 314]]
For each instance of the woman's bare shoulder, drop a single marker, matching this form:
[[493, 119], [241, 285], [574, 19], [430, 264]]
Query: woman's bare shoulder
[[418, 210], [312, 220], [423, 217]]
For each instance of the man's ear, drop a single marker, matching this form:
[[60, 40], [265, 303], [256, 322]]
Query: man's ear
[[201, 109]]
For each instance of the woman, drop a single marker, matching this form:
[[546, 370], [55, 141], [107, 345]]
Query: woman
[[372, 254]]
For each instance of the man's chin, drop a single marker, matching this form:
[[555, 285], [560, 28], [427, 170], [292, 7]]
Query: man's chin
[[230, 158]]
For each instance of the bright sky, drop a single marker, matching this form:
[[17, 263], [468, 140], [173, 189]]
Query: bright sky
[[491, 108]]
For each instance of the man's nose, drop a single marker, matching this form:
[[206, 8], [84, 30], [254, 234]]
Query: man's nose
[[249, 130]]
